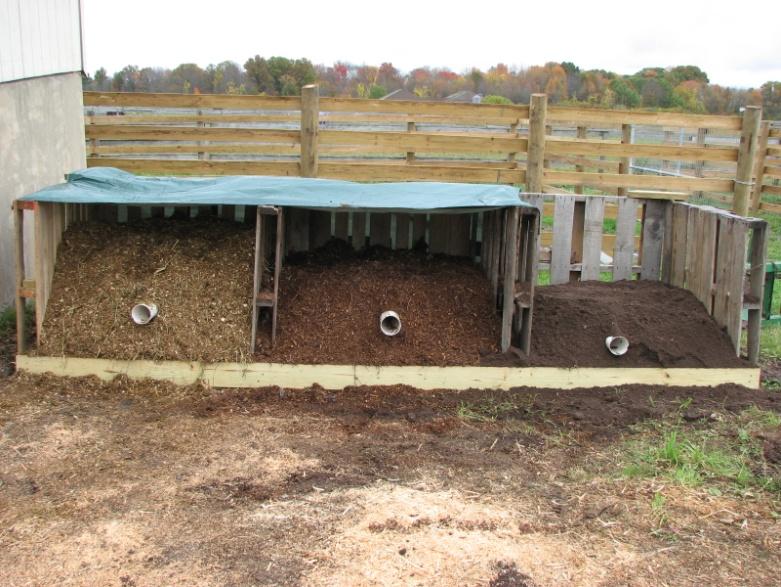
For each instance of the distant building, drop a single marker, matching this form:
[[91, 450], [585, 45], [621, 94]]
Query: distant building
[[41, 110], [401, 94], [465, 96]]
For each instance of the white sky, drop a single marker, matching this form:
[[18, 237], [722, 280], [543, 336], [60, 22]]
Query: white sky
[[735, 43]]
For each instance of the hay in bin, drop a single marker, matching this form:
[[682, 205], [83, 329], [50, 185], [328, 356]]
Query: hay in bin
[[198, 272]]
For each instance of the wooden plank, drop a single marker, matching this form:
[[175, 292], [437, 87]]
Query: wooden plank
[[600, 116], [593, 147], [403, 232], [319, 228], [278, 260], [181, 133], [679, 245], [359, 230], [510, 276], [667, 244], [625, 245], [198, 167], [706, 253], [115, 148], [185, 119], [449, 234], [401, 172], [426, 142], [658, 195], [252, 375], [592, 239], [752, 116], [259, 267], [497, 241], [610, 180], [653, 236], [161, 100], [19, 299], [528, 275], [728, 278], [380, 229], [562, 240], [535, 159], [758, 259], [342, 225], [419, 225], [509, 113], [297, 229]]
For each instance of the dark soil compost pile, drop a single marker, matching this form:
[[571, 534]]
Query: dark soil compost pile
[[198, 272], [665, 326], [331, 301]]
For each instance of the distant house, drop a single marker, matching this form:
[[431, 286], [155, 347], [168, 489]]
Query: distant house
[[401, 94], [465, 96], [41, 109]]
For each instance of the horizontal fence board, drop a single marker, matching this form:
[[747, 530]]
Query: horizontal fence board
[[402, 172], [772, 189], [198, 167], [428, 142], [130, 119], [557, 146], [292, 149], [605, 180], [617, 117], [160, 100], [181, 133], [511, 113]]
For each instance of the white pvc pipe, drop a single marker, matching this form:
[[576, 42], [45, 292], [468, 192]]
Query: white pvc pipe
[[390, 323], [617, 345], [143, 314]]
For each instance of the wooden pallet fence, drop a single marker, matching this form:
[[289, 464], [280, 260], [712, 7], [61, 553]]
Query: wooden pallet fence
[[383, 140]]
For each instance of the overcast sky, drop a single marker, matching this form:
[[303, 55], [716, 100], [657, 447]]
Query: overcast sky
[[735, 43]]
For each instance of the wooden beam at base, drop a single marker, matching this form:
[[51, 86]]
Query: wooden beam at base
[[341, 376]]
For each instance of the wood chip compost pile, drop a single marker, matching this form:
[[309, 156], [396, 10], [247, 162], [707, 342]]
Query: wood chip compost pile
[[665, 326], [198, 272], [331, 301]]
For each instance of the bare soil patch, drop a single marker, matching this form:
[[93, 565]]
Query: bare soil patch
[[136, 483]]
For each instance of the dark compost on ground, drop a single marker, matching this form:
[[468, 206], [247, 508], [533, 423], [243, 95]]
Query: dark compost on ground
[[199, 273]]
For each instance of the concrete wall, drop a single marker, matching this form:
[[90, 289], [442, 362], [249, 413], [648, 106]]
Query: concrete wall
[[41, 139]]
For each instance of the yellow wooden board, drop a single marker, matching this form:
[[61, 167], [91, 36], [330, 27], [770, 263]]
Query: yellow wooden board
[[341, 376]]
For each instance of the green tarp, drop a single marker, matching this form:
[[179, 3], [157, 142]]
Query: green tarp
[[107, 185]]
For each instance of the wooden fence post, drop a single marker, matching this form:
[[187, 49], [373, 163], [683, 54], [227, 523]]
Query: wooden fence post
[[582, 133], [535, 156], [699, 165], [21, 330], [749, 134], [310, 122], [411, 127], [623, 165], [759, 166]]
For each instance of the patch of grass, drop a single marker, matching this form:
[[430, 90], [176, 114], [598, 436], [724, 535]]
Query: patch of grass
[[7, 320], [727, 454]]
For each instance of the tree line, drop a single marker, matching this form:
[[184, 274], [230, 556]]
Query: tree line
[[684, 87]]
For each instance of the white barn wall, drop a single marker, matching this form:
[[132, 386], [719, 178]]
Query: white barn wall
[[39, 37], [41, 111], [42, 130]]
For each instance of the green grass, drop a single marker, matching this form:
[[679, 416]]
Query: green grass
[[726, 455]]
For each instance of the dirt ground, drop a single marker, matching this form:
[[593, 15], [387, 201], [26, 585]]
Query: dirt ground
[[135, 484]]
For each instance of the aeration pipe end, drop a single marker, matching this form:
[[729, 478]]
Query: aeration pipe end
[[617, 345], [143, 314], [390, 323]]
